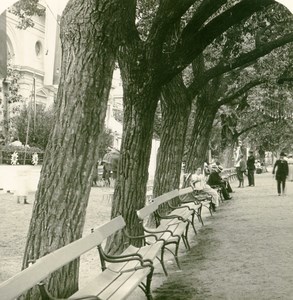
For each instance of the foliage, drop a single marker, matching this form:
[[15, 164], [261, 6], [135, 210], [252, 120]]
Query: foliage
[[37, 123], [24, 154], [24, 10], [13, 76], [275, 136], [105, 141]]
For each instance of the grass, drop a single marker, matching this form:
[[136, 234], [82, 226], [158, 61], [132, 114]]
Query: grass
[[14, 224]]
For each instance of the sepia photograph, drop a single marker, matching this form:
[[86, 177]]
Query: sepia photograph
[[146, 149]]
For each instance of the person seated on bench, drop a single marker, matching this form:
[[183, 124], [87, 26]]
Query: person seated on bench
[[228, 186], [198, 183], [216, 180]]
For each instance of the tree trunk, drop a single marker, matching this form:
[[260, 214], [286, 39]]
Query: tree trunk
[[227, 156], [198, 145], [176, 107], [140, 101], [88, 49]]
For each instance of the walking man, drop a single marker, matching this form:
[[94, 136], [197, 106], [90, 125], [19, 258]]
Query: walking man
[[281, 174], [250, 168]]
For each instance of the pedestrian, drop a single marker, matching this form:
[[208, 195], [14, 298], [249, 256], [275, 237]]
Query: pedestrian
[[21, 185], [290, 165], [281, 174], [250, 163], [240, 169]]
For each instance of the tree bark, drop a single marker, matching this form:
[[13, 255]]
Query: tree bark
[[202, 126], [227, 156], [130, 187], [176, 106], [88, 55]]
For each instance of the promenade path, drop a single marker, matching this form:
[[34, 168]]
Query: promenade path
[[245, 251]]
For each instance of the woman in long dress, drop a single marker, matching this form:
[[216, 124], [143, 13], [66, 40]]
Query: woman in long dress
[[290, 165]]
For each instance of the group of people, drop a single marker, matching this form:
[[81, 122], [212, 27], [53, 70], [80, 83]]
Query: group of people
[[283, 168], [245, 167], [209, 181]]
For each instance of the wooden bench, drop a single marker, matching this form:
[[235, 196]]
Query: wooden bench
[[199, 199], [197, 196], [119, 278], [170, 228]]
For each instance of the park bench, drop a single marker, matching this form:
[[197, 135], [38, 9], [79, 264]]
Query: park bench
[[189, 194], [170, 228], [117, 280]]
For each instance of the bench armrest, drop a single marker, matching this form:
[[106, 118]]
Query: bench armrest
[[137, 237], [173, 217], [181, 206], [161, 231]]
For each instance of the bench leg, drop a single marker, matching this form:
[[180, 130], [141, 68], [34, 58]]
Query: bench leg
[[161, 260], [192, 222], [185, 239], [175, 254], [199, 215], [147, 286]]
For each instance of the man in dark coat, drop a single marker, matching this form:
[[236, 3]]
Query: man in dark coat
[[216, 180], [282, 172], [250, 168]]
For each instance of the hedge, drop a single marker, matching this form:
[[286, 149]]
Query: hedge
[[25, 155]]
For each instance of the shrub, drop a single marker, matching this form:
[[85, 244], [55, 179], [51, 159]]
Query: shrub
[[25, 154]]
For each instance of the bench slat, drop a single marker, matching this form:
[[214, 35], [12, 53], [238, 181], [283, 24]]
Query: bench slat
[[166, 197], [23, 281], [124, 284], [185, 191]]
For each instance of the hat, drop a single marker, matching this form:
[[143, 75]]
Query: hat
[[282, 154], [214, 167]]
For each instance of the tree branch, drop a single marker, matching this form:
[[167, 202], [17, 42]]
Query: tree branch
[[202, 14], [192, 43], [167, 15], [243, 59], [241, 91], [251, 127]]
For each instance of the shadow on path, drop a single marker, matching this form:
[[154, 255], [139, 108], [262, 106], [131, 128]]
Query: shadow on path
[[244, 252]]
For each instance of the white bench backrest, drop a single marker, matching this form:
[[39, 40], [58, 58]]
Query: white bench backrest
[[156, 202], [166, 197], [185, 191], [43, 267], [147, 210]]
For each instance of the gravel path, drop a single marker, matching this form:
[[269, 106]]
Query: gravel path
[[245, 251]]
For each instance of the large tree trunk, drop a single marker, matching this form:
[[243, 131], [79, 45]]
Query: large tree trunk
[[199, 142], [227, 156], [130, 187], [176, 107], [140, 96], [88, 51]]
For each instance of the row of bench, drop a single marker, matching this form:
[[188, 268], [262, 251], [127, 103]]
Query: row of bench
[[121, 274]]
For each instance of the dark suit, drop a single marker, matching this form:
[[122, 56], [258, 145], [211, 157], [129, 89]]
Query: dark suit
[[215, 179], [281, 174], [250, 169]]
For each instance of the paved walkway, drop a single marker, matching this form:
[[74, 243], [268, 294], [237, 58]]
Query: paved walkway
[[245, 251]]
